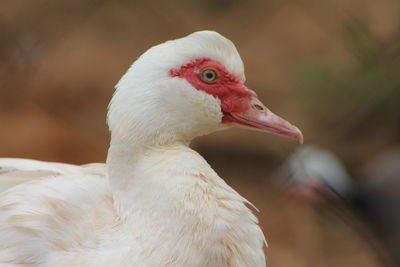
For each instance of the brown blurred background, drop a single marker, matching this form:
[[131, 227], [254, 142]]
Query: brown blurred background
[[330, 67]]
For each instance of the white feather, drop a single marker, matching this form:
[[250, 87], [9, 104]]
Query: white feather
[[157, 202]]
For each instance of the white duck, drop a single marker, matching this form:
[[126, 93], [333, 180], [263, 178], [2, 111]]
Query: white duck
[[156, 202]]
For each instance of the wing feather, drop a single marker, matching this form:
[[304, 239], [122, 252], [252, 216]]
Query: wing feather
[[15, 171], [50, 208]]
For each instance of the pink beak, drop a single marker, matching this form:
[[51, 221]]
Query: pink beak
[[259, 117]]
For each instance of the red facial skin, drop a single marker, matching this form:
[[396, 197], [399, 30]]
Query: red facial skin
[[239, 105], [228, 88]]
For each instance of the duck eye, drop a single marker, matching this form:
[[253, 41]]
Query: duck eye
[[209, 76]]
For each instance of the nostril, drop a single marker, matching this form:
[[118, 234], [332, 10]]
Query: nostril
[[258, 107]]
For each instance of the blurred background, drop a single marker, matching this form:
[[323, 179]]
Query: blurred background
[[331, 68]]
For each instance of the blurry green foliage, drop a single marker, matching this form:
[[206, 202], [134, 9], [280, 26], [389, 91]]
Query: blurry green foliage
[[368, 94]]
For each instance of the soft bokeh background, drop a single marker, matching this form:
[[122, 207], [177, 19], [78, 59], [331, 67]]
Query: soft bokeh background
[[330, 67]]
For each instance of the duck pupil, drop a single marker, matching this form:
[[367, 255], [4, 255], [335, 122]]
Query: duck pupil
[[209, 75]]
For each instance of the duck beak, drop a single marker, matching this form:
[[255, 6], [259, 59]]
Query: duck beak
[[257, 116]]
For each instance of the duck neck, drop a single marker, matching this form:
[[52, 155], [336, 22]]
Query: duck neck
[[127, 156], [138, 173]]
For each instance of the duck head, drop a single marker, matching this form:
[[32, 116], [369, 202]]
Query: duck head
[[185, 88]]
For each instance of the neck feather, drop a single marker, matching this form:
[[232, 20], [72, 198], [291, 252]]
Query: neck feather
[[143, 176]]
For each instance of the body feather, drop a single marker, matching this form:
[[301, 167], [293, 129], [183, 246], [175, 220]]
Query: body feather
[[68, 217]]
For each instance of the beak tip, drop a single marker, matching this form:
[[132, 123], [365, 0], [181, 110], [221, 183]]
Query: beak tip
[[300, 139], [299, 136]]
